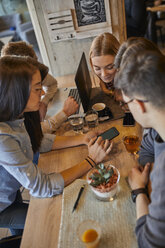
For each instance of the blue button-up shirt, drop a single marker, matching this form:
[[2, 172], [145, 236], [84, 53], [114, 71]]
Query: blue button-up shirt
[[17, 168]]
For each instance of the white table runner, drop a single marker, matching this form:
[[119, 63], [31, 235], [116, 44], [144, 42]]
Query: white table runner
[[117, 218]]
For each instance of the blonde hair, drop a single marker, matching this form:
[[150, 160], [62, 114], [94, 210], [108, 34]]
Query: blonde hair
[[104, 44]]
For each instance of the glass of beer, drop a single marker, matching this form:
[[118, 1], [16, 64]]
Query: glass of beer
[[131, 143]]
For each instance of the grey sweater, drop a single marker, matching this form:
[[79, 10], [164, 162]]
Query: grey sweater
[[150, 229]]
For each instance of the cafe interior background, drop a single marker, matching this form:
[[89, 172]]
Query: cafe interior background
[[50, 44]]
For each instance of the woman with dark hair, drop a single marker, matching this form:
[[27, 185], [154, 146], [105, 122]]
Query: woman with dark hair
[[20, 94], [49, 84]]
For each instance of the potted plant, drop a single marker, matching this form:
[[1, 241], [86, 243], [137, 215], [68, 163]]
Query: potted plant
[[103, 181]]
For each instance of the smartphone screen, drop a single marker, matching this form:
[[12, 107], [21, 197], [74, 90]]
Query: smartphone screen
[[128, 120], [110, 134]]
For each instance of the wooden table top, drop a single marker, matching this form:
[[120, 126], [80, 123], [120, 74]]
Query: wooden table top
[[157, 8], [43, 218]]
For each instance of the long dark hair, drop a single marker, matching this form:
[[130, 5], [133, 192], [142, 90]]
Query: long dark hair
[[15, 85], [33, 127]]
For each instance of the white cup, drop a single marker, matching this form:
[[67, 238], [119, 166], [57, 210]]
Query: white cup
[[100, 108]]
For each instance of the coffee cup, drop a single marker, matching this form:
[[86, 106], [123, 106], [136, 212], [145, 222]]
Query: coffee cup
[[99, 108]]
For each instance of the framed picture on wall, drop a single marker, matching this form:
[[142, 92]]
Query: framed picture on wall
[[86, 18], [91, 14]]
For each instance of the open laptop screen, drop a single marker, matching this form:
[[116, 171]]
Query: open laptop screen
[[83, 82]]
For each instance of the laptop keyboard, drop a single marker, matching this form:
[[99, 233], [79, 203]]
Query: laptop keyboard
[[74, 93]]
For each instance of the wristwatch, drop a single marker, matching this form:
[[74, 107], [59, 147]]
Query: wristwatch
[[135, 192]]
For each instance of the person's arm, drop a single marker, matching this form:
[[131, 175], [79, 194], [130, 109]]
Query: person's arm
[[146, 153], [49, 85], [138, 178], [150, 228], [149, 185], [76, 171], [98, 150], [70, 141], [53, 123], [142, 203], [17, 161], [50, 88]]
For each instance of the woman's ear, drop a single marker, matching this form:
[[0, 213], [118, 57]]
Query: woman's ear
[[140, 105]]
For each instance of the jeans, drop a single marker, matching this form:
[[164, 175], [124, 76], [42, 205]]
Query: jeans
[[13, 217]]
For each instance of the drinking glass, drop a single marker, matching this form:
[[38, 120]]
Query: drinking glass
[[91, 118], [131, 143], [77, 123], [89, 233]]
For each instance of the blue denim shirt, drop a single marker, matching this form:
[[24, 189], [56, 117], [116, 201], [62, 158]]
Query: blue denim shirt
[[17, 168]]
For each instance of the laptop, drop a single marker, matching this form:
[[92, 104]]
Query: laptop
[[88, 95]]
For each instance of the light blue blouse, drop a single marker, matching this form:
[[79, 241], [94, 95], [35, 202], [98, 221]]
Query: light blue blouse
[[17, 168]]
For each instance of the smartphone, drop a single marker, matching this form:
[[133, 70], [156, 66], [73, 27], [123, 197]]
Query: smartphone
[[110, 133], [128, 120]]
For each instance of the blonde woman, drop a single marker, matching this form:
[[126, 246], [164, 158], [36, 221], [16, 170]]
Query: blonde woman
[[102, 54]]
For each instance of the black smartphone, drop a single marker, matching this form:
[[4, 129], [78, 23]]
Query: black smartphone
[[128, 120], [110, 133]]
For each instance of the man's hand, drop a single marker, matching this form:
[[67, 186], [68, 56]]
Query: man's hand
[[139, 176], [42, 110], [70, 106]]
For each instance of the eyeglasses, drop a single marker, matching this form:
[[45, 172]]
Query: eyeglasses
[[123, 104]]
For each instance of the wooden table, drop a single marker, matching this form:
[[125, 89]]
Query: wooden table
[[156, 8], [43, 218]]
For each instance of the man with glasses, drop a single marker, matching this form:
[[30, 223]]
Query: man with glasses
[[141, 79]]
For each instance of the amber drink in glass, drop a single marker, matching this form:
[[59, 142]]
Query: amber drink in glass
[[132, 143]]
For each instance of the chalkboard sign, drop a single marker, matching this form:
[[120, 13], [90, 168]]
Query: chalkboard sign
[[90, 12]]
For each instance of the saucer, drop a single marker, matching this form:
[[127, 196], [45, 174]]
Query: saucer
[[105, 115]]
